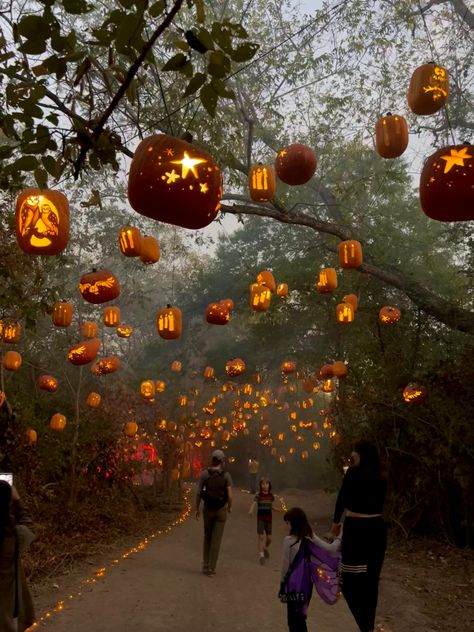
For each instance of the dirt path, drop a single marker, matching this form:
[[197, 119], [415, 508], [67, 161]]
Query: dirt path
[[161, 588]]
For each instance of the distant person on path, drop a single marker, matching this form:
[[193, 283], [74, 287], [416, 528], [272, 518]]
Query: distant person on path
[[215, 490], [298, 529], [253, 471], [16, 606], [263, 501], [364, 538]]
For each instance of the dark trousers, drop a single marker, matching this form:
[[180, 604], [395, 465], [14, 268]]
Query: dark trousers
[[296, 617], [253, 482], [214, 523], [364, 542]]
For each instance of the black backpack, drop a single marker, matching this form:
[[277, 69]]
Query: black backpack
[[214, 490]]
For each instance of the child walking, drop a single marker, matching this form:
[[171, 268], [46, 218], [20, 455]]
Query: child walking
[[263, 501]]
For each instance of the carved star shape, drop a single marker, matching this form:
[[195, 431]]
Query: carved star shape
[[172, 177], [457, 157], [188, 164], [204, 187], [169, 152], [282, 153]]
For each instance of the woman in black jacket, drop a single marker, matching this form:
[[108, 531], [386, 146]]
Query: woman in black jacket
[[364, 539]]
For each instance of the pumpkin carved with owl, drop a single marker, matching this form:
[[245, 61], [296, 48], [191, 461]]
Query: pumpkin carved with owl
[[42, 221]]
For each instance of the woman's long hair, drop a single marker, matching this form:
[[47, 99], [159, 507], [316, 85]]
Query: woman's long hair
[[299, 525], [369, 459], [5, 500]]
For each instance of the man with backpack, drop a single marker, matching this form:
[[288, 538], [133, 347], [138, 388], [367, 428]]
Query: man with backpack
[[215, 490]]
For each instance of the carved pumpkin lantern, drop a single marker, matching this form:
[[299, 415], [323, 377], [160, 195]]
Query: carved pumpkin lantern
[[176, 366], [389, 315], [282, 290], [169, 323], [150, 250], [147, 389], [111, 316], [295, 164], [42, 221], [235, 367], [262, 183], [352, 299], [31, 436], [344, 313], [217, 314], [340, 369], [83, 352], [309, 385], [414, 393], [47, 383], [105, 365], [260, 297], [93, 400], [447, 184], [429, 89], [160, 386], [99, 286], [288, 367], [209, 373], [326, 371], [391, 136], [266, 278], [350, 254], [229, 303], [174, 182], [124, 330], [11, 332], [130, 241], [57, 422], [328, 386], [62, 314], [327, 280], [12, 361], [182, 400], [89, 329], [130, 429]]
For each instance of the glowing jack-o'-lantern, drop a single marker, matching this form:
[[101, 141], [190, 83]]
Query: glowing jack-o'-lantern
[[111, 316], [266, 278], [414, 393], [288, 367], [209, 373], [93, 400], [217, 314], [309, 385], [42, 221], [327, 281], [174, 182], [130, 241], [57, 422], [282, 290], [295, 164], [11, 332], [391, 135], [31, 436], [429, 89], [260, 297], [446, 184], [328, 386], [262, 183], [389, 315], [83, 352], [169, 323], [124, 330], [340, 369], [105, 365], [150, 250], [160, 386], [99, 286], [344, 313], [89, 329], [12, 361], [235, 367], [130, 429], [147, 389], [350, 254], [352, 299], [176, 366], [47, 383], [229, 303], [62, 314]]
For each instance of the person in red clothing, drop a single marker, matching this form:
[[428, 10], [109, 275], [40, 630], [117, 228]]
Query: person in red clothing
[[263, 501]]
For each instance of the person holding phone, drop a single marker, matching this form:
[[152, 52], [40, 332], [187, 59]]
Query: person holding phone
[[16, 605]]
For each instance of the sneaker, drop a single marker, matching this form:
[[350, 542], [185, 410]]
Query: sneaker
[[266, 552], [262, 560], [205, 570], [210, 572]]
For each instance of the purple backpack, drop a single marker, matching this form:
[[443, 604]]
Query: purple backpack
[[312, 565]]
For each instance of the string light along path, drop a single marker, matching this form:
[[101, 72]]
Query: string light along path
[[158, 585]]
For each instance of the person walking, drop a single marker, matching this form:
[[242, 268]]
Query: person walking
[[215, 490], [263, 501], [16, 605], [253, 472], [364, 538]]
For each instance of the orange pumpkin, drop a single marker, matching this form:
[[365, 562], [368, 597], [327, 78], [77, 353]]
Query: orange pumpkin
[[209, 373], [266, 278], [107, 364], [288, 367], [169, 323], [229, 303], [47, 383], [339, 369], [93, 400], [352, 299], [350, 254], [130, 429], [57, 422], [327, 281], [111, 316], [295, 164], [62, 314], [429, 89], [11, 332], [174, 182], [282, 290], [391, 135], [147, 389], [344, 313], [89, 329], [124, 330], [99, 286], [326, 371], [12, 361], [31, 436], [235, 367], [389, 315], [260, 297], [42, 221], [217, 314], [160, 386], [176, 366], [130, 241], [414, 393], [150, 250], [262, 183], [83, 352]]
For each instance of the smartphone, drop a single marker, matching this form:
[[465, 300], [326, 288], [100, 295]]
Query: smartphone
[[6, 477]]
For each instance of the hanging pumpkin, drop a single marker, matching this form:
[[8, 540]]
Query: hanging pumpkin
[[105, 365], [124, 331], [352, 299], [260, 297], [150, 250], [160, 386], [99, 286], [89, 329], [344, 313], [11, 332], [176, 366], [130, 241], [328, 386], [414, 393], [389, 315], [57, 422], [339, 369], [327, 281], [31, 436], [350, 254], [309, 385], [209, 373], [282, 290], [174, 182], [169, 323], [429, 89], [295, 164], [83, 352], [229, 303], [147, 389], [266, 278], [47, 383], [326, 371], [12, 361], [288, 367], [262, 183], [42, 221], [217, 314], [111, 316], [391, 135], [93, 400], [446, 184], [235, 367], [62, 314], [130, 429]]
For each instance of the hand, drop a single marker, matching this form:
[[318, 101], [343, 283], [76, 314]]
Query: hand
[[250, 513], [15, 494], [336, 529], [198, 514], [229, 510]]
